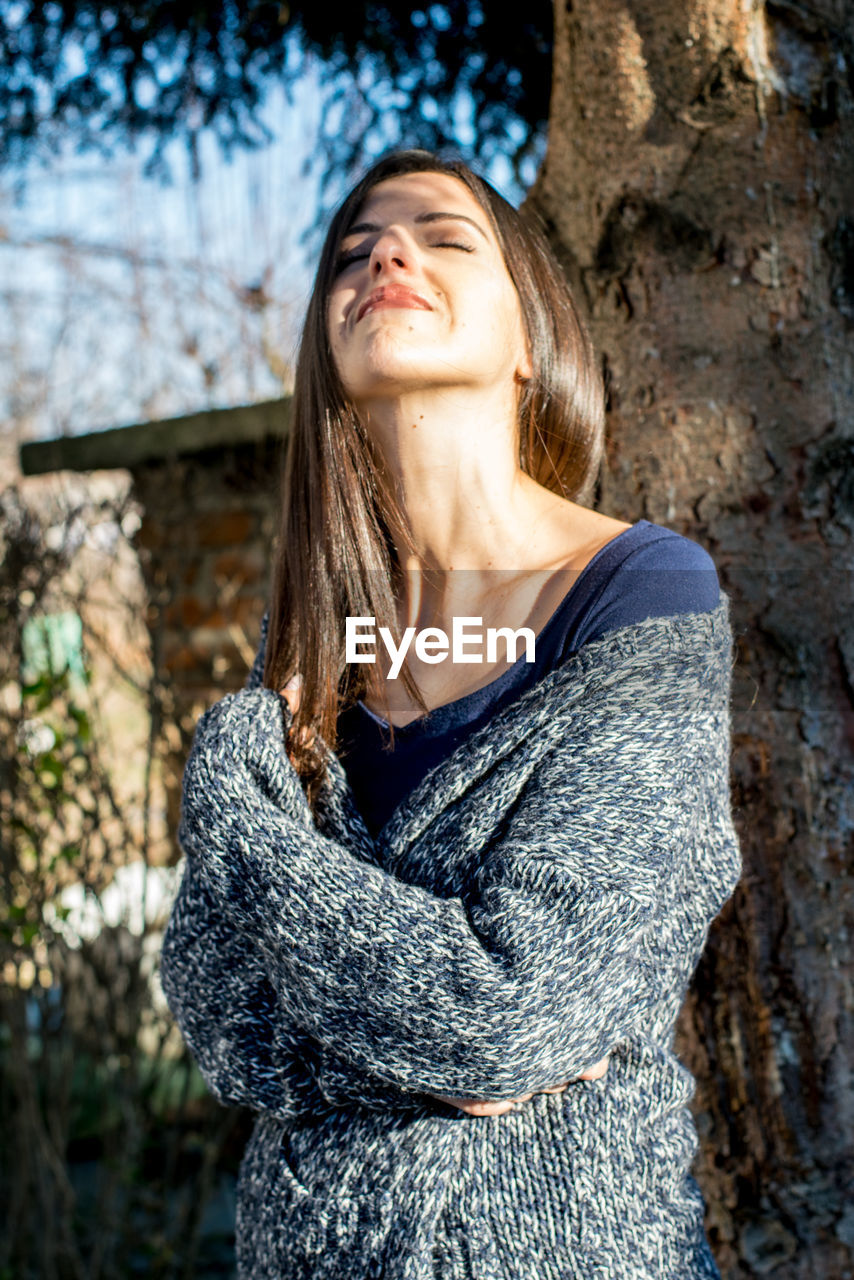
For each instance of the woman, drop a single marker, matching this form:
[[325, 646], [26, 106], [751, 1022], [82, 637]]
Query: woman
[[436, 929]]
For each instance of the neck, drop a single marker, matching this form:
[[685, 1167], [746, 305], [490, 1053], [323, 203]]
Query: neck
[[451, 459], [451, 462]]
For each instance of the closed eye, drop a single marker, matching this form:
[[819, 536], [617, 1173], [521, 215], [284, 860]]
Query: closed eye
[[347, 259]]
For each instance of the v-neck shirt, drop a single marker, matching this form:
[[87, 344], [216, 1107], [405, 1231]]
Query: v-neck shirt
[[646, 571]]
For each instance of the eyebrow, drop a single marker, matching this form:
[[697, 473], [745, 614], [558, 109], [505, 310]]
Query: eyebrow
[[431, 216]]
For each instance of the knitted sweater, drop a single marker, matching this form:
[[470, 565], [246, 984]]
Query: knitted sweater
[[541, 898]]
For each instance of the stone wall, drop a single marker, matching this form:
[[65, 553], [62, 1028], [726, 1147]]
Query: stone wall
[[205, 546], [208, 486]]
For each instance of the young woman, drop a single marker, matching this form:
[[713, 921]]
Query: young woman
[[438, 917]]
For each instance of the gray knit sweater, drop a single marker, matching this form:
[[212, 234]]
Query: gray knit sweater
[[541, 898]]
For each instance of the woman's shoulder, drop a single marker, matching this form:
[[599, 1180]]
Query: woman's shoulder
[[595, 537], [653, 546], [645, 571]]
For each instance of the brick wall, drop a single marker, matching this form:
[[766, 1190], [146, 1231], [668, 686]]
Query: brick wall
[[205, 545]]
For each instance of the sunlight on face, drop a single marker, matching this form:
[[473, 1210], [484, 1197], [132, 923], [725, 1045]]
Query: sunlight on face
[[422, 297]]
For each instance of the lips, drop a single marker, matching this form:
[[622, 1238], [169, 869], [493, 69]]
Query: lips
[[393, 295]]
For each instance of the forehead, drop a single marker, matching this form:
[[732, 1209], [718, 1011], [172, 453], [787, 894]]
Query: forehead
[[409, 194]]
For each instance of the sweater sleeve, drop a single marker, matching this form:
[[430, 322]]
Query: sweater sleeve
[[531, 974], [216, 981], [216, 985]]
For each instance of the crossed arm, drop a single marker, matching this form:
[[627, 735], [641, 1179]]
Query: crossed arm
[[478, 1106], [218, 982], [529, 981]]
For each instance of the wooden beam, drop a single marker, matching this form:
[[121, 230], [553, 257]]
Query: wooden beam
[[147, 441]]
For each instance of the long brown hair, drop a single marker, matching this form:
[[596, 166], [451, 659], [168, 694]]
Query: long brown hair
[[335, 556]]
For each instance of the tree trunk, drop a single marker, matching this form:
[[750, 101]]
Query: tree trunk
[[698, 186]]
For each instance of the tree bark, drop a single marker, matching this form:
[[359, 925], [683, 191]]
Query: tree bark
[[699, 187]]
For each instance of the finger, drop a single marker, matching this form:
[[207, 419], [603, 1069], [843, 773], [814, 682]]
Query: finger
[[487, 1108], [478, 1107], [597, 1071], [291, 692], [474, 1108], [292, 699]]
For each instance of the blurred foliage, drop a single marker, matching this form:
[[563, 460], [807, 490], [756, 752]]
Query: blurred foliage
[[117, 1163], [393, 75]]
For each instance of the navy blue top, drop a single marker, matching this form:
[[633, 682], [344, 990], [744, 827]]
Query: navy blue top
[[646, 571]]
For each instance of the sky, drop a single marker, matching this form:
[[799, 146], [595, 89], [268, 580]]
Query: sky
[[124, 299]]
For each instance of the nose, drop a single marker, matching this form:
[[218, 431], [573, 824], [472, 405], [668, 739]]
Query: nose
[[392, 250]]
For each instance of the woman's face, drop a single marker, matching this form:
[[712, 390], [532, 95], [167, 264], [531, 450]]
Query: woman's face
[[421, 296]]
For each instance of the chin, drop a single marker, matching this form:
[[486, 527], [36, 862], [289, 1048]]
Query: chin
[[387, 362]]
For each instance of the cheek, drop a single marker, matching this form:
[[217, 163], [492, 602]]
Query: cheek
[[506, 325], [335, 329], [500, 303]]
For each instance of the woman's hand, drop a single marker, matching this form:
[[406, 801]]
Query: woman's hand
[[473, 1107], [291, 694]]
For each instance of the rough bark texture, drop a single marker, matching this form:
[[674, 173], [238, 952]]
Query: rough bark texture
[[699, 184]]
